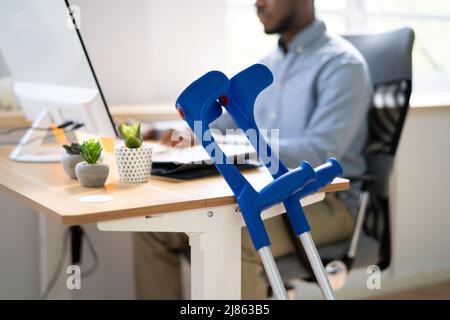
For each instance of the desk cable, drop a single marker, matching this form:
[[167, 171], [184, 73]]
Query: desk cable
[[59, 267], [74, 127]]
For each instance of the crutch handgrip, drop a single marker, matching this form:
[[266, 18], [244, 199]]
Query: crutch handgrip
[[200, 104], [325, 175], [286, 185]]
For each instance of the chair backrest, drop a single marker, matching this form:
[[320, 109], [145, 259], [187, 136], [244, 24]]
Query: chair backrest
[[389, 57]]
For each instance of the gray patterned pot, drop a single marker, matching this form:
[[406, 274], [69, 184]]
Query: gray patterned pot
[[92, 175], [134, 164], [69, 161]]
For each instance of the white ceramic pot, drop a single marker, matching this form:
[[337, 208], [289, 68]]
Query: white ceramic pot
[[134, 164]]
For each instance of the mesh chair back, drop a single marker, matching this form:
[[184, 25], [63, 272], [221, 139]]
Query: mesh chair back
[[389, 57]]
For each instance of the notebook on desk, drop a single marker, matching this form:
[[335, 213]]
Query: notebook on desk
[[194, 162]]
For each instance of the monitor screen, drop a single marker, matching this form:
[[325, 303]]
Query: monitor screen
[[40, 44]]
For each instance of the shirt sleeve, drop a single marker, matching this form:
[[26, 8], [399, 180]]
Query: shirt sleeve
[[343, 96]]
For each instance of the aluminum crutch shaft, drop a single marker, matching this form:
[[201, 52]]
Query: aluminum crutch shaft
[[317, 266], [272, 273]]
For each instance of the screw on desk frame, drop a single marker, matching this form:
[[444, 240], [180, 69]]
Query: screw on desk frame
[[210, 214]]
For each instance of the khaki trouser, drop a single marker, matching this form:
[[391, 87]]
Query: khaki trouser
[[157, 259]]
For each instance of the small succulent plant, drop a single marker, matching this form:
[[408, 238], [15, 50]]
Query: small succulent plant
[[131, 134], [73, 148], [91, 150]]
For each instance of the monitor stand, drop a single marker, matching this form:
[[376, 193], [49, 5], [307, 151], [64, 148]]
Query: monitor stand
[[31, 147]]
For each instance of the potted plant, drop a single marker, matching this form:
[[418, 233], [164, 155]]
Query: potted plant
[[90, 173], [133, 158], [71, 158]]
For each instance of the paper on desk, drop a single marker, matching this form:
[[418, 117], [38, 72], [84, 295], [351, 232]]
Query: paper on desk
[[197, 154], [235, 147]]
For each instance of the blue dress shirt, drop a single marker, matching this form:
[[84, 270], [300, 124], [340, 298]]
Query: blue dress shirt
[[319, 102]]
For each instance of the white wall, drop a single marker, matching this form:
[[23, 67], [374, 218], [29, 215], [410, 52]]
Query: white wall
[[19, 254], [149, 50], [3, 69], [114, 278], [19, 248], [420, 195]]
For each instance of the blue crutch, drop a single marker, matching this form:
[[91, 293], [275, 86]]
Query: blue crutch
[[199, 105]]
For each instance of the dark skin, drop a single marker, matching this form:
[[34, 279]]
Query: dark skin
[[283, 17]]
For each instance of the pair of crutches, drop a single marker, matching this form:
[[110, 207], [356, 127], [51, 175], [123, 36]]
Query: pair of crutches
[[199, 105]]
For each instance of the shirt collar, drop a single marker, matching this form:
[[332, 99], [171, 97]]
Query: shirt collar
[[304, 37]]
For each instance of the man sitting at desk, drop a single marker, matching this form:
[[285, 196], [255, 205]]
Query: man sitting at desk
[[319, 102]]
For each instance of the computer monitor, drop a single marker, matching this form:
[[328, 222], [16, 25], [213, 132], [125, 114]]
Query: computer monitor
[[53, 77]]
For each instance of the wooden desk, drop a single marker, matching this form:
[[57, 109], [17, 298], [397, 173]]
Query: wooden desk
[[204, 208]]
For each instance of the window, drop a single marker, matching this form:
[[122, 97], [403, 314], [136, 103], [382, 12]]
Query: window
[[247, 43]]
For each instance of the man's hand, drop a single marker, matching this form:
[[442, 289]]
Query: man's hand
[[179, 138]]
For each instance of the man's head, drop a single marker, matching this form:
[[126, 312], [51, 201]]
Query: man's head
[[281, 16]]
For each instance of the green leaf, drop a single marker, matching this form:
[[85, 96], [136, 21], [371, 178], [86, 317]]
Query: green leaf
[[131, 133], [138, 131], [74, 148], [124, 130], [91, 150], [133, 142]]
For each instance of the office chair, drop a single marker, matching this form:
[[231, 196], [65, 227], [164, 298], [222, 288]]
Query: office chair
[[388, 56]]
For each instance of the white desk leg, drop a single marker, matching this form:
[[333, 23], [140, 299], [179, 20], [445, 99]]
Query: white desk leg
[[215, 239], [216, 264]]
